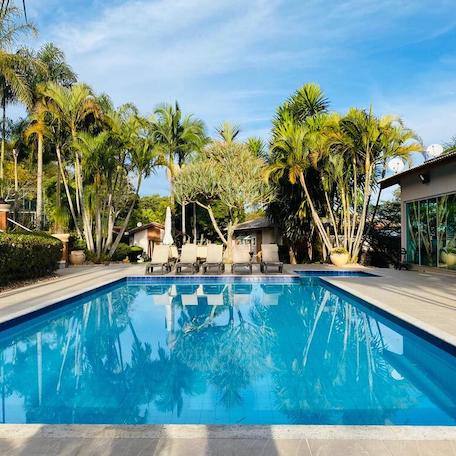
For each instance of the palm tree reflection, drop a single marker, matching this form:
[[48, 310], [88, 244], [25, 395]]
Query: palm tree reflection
[[323, 357]]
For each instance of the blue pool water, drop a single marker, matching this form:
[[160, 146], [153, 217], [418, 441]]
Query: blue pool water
[[222, 351]]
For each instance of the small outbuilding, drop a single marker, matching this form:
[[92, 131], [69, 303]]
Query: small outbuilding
[[257, 232], [146, 236], [428, 211]]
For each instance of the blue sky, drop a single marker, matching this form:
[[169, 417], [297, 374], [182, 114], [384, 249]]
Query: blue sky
[[238, 60]]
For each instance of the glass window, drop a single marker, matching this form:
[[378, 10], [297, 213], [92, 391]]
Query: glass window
[[446, 231], [413, 254], [431, 232]]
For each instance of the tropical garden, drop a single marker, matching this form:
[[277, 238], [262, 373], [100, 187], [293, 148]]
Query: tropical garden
[[76, 163]]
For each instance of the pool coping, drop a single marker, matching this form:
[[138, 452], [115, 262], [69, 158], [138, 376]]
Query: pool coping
[[201, 431]]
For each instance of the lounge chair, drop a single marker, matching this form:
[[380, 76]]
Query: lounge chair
[[214, 258], [241, 257], [270, 258], [201, 253], [160, 259], [187, 259]]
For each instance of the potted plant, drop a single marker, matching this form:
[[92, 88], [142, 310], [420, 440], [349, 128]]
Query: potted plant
[[339, 256], [448, 256], [77, 254], [134, 253]]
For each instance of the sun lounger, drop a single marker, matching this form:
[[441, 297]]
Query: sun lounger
[[241, 258], [270, 258], [214, 258], [160, 259], [187, 259]]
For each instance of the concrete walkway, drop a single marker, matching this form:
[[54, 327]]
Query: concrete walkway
[[426, 300]]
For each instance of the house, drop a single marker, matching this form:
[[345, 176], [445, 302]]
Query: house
[[146, 236], [428, 211], [256, 232]]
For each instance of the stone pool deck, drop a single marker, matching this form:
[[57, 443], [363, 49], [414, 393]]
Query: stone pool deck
[[427, 300]]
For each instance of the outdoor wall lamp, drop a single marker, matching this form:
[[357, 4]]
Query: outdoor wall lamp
[[424, 178]]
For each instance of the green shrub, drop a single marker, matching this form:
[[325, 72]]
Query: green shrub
[[79, 244], [135, 251], [27, 256], [121, 252], [339, 250]]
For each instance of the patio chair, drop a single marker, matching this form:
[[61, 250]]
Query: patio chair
[[241, 258], [270, 258], [188, 259], [160, 259], [201, 253], [214, 258]]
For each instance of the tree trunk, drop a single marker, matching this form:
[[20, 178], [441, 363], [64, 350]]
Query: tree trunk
[[184, 231], [194, 223], [214, 222], [315, 216], [292, 255], [67, 191], [39, 183], [127, 218], [2, 155]]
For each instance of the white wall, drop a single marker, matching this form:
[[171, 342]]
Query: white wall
[[140, 238]]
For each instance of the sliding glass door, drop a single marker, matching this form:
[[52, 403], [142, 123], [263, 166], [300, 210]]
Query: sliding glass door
[[431, 232]]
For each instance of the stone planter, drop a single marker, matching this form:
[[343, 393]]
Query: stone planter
[[339, 259], [65, 258], [77, 257]]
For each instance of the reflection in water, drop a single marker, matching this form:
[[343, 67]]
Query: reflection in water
[[221, 353]]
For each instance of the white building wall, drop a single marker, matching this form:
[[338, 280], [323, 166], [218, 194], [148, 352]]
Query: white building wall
[[140, 239]]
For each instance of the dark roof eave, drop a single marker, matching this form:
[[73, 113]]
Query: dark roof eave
[[427, 165]]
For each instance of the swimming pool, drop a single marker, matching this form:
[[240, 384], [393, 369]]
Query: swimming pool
[[226, 350]]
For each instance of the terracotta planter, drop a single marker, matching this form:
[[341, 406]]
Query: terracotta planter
[[450, 259], [77, 257], [339, 259]]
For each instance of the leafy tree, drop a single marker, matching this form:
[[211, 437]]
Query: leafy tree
[[150, 208], [229, 173]]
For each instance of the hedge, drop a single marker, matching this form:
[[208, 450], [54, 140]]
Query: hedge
[[27, 256]]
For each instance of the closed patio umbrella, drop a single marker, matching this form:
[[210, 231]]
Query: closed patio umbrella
[[168, 238]]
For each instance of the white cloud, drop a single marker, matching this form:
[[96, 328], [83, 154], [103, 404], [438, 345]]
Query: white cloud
[[237, 59]]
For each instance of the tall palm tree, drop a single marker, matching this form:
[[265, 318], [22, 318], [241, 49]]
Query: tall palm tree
[[55, 69], [13, 66], [179, 137], [71, 107]]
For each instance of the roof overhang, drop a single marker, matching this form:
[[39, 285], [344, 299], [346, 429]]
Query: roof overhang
[[420, 169]]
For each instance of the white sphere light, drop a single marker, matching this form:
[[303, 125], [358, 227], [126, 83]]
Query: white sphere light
[[396, 165], [434, 150]]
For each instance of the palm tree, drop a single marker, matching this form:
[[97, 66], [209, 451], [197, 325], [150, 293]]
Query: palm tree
[[179, 137], [13, 67], [55, 69], [71, 107], [228, 132]]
